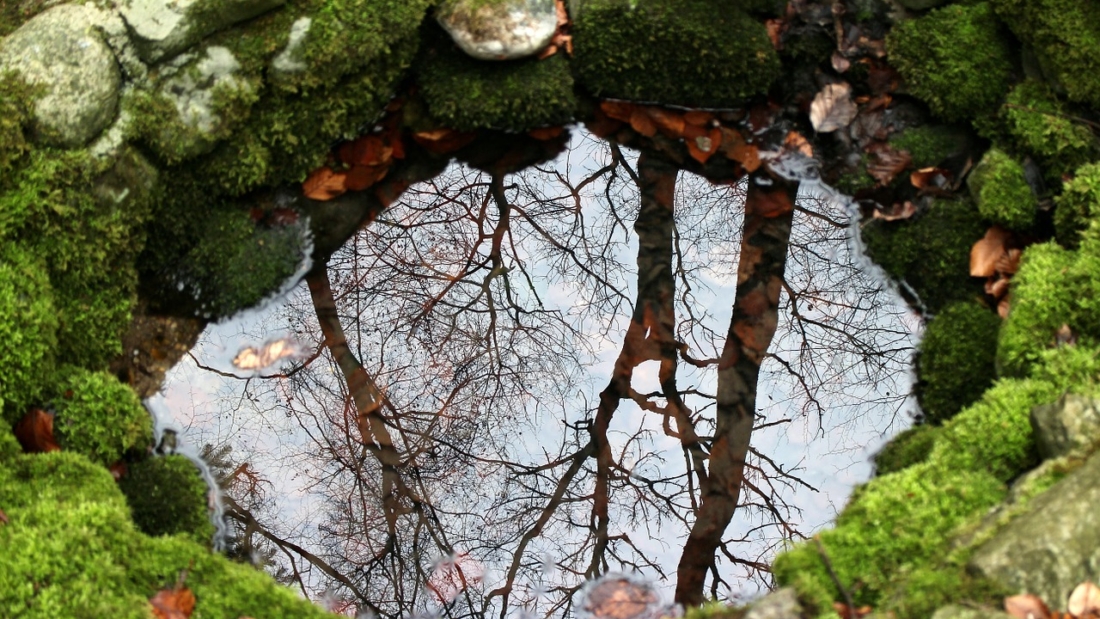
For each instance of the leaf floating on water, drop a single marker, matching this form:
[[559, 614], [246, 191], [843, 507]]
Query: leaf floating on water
[[251, 358], [35, 432], [1026, 606], [1085, 599], [833, 108]]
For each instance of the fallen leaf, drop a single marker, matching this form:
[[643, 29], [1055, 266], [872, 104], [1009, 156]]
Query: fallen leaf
[[443, 141], [619, 110], [839, 62], [1026, 606], [987, 251], [35, 432], [934, 181], [736, 149], [997, 287], [887, 162], [699, 118], [702, 144], [360, 177], [897, 211], [176, 603], [324, 184], [642, 123], [882, 78], [1085, 598], [776, 27], [1003, 307], [545, 133], [3, 517], [1010, 262], [118, 470], [669, 123], [796, 142], [850, 612], [367, 150], [832, 108]]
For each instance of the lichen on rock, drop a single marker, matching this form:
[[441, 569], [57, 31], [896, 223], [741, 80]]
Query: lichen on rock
[[499, 29]]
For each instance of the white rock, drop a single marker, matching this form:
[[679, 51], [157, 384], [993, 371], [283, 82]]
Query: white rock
[[499, 29], [164, 28], [63, 51]]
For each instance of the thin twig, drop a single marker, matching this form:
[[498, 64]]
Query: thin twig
[[832, 574]]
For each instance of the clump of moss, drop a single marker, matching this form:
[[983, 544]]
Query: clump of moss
[[906, 449], [931, 253], [1039, 124], [1065, 35], [1001, 191], [957, 359], [696, 53], [28, 326], [466, 94], [168, 495], [928, 145], [936, 56], [14, 119], [97, 416], [1078, 205]]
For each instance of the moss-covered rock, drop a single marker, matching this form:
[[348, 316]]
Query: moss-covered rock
[[28, 323], [957, 361], [97, 416], [1078, 205], [168, 495], [695, 53], [929, 145], [931, 253], [937, 55], [906, 449], [1001, 191], [1065, 34], [15, 119], [1039, 124]]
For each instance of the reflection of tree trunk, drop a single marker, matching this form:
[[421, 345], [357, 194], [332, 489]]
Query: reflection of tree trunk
[[769, 209]]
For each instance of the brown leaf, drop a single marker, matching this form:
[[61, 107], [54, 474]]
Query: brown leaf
[[619, 110], [934, 181], [35, 432], [367, 150], [1026, 606], [545, 133], [699, 118], [887, 162], [668, 122], [443, 141], [176, 603], [1003, 307], [839, 62], [1085, 598], [118, 470], [832, 108], [795, 141], [702, 144], [1009, 263], [776, 28], [997, 287], [324, 184], [850, 612], [897, 211], [642, 123], [987, 251], [360, 177]]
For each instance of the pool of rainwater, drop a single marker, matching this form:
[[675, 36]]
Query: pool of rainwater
[[261, 389]]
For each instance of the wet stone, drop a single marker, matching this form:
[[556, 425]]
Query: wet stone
[[499, 29], [163, 28]]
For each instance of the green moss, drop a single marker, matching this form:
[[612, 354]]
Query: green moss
[[1078, 205], [28, 326], [465, 94], [1001, 191], [906, 449], [1065, 35], [1053, 287], [928, 145], [931, 252], [167, 496], [957, 359], [715, 610], [15, 102], [1039, 124], [956, 59], [97, 416], [696, 53], [71, 550]]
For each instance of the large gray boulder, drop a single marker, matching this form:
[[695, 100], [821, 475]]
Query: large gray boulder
[[163, 28], [1054, 545], [1071, 424], [62, 51], [499, 29]]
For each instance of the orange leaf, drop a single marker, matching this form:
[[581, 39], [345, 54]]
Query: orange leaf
[[324, 184], [1085, 598], [642, 123], [1026, 606], [362, 176], [35, 432], [176, 603], [1010, 262], [118, 470], [887, 163], [776, 28], [602, 125], [935, 181], [1002, 308], [443, 141], [795, 141], [701, 147], [619, 110], [398, 147], [367, 150], [545, 133], [986, 252], [997, 287], [850, 612], [670, 123], [699, 118]]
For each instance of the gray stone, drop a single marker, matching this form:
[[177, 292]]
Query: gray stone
[[956, 611], [1072, 424], [163, 28], [63, 51], [1054, 545], [779, 604], [499, 29], [921, 5]]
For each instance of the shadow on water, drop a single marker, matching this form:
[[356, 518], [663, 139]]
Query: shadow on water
[[427, 427]]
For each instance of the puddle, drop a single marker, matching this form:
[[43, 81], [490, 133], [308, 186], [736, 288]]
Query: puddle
[[479, 459]]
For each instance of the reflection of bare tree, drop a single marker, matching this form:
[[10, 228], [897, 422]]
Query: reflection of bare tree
[[456, 360]]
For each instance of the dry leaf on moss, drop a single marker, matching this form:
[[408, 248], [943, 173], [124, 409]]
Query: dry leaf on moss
[[833, 108], [1085, 599], [1026, 606], [35, 432], [986, 253]]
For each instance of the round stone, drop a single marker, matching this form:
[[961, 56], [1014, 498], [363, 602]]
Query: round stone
[[500, 29]]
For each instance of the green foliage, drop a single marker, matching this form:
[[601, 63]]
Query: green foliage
[[955, 58], [930, 252], [71, 550], [28, 328], [1039, 124], [696, 53], [1065, 35], [168, 495], [1000, 189], [1078, 205], [97, 416], [15, 102], [906, 449], [928, 145], [957, 359], [465, 94], [1053, 287]]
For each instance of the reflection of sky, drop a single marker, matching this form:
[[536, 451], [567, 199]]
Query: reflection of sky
[[830, 452]]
